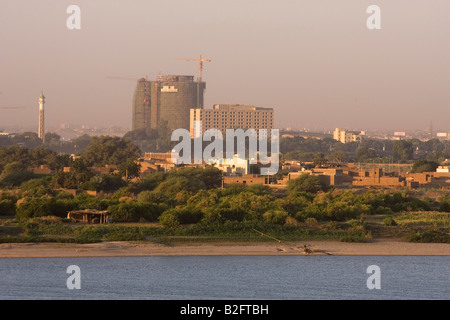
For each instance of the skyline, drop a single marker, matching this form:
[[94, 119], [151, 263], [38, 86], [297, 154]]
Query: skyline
[[316, 64]]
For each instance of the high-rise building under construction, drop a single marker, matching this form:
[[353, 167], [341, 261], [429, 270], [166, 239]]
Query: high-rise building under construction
[[168, 99]]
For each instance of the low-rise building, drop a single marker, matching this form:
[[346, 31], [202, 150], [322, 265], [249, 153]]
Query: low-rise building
[[248, 179], [376, 178], [233, 166], [42, 169], [345, 136]]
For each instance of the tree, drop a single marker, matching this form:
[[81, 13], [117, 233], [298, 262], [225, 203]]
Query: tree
[[338, 156], [306, 183], [364, 153], [12, 168], [17, 154], [52, 140], [424, 166], [7, 208], [402, 150], [320, 160], [81, 143], [171, 186], [129, 169], [109, 150]]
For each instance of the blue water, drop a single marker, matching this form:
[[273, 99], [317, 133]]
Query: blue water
[[227, 277]]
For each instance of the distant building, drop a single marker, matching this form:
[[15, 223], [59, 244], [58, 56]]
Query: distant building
[[376, 178], [42, 169], [248, 179], [168, 99], [235, 166], [154, 161], [330, 177], [230, 116], [345, 136]]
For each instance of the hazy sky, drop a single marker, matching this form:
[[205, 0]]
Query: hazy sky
[[315, 62]]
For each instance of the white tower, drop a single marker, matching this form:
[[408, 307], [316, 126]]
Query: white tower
[[41, 132]]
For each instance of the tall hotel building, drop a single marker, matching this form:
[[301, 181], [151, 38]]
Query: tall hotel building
[[230, 116]]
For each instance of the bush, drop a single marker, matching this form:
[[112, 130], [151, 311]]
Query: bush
[[124, 212], [15, 179], [31, 229], [169, 219], [429, 237], [312, 222], [184, 215], [357, 234], [383, 210], [135, 211], [89, 234], [275, 216], [445, 206], [332, 225], [306, 183], [7, 208], [389, 221], [33, 208], [152, 197]]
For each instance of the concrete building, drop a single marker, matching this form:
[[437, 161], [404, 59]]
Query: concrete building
[[42, 169], [168, 99], [248, 179], [230, 116], [376, 178], [235, 166], [158, 161], [346, 136], [329, 176]]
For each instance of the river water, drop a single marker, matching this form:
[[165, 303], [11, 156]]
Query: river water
[[227, 277]]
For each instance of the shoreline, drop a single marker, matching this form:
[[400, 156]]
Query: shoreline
[[380, 247]]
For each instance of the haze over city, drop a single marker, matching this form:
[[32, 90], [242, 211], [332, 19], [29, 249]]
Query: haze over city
[[316, 63]]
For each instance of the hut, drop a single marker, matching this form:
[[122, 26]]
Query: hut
[[89, 216]]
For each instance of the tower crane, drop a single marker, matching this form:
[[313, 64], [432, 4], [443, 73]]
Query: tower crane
[[200, 65], [21, 107], [200, 72]]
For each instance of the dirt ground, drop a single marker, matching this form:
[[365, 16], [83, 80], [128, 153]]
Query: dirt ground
[[119, 249]]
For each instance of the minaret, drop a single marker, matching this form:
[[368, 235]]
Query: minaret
[[41, 132]]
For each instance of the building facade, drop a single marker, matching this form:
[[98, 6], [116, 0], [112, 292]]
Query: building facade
[[230, 116], [345, 136], [168, 99]]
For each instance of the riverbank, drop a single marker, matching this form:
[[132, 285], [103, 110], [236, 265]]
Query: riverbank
[[129, 249]]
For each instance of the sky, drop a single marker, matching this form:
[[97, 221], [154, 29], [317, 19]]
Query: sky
[[315, 62]]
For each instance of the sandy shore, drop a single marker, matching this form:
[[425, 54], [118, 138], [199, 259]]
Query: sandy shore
[[128, 249]]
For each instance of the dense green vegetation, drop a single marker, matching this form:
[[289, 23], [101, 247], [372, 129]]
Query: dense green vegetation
[[369, 150], [189, 204]]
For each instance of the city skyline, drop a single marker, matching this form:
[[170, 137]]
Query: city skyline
[[316, 64]]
